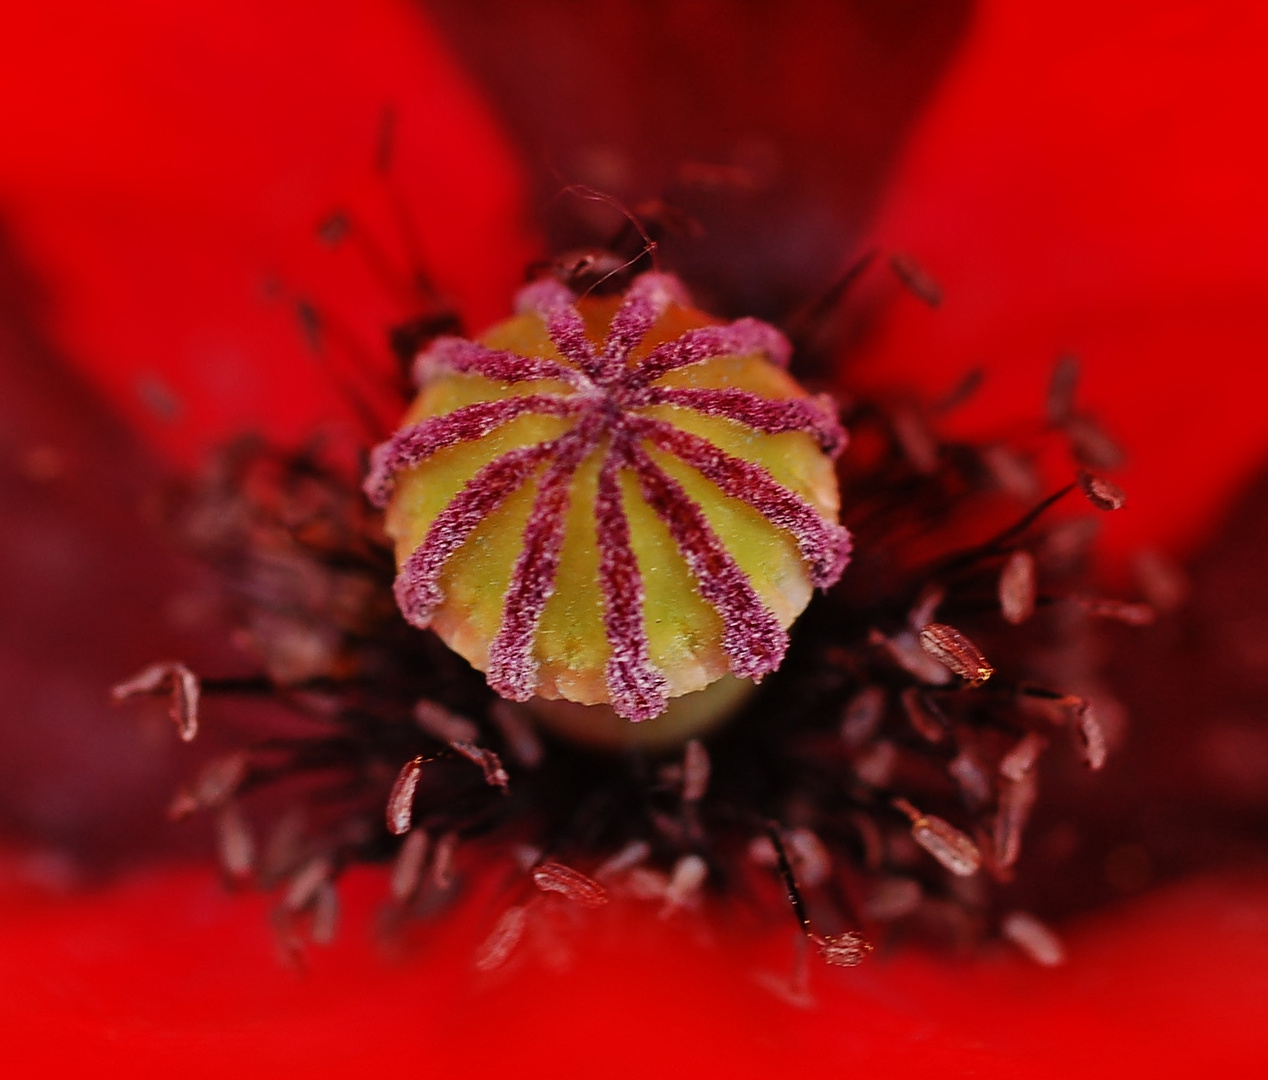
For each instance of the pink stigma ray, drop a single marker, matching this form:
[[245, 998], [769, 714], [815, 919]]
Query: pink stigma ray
[[823, 544], [744, 337], [498, 365], [646, 301], [751, 635], [568, 331], [814, 416], [637, 690], [418, 581], [512, 667], [419, 441]]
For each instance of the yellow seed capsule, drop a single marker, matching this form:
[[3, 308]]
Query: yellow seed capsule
[[612, 500]]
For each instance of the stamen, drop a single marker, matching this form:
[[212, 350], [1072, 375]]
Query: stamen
[[916, 439], [407, 869], [1034, 938], [862, 716], [1017, 587], [497, 948], [1133, 614], [1016, 799], [954, 650], [923, 715], [569, 883], [695, 771], [400, 802], [234, 842], [442, 861], [518, 734], [686, 883], [1022, 757], [170, 678], [307, 882], [542, 297], [842, 950], [442, 724], [1061, 389], [490, 764], [916, 278], [1091, 736], [955, 851], [1101, 493], [216, 784]]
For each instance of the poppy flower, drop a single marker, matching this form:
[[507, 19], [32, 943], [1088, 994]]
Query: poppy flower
[[1079, 181]]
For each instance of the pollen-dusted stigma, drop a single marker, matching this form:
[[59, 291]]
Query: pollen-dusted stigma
[[612, 500], [616, 500]]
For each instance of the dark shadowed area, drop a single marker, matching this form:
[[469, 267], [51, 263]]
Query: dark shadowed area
[[773, 127], [92, 590]]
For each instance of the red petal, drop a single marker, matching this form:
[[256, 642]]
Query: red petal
[[1091, 180], [173, 978], [160, 163]]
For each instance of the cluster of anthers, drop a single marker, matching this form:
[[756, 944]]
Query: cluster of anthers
[[560, 495]]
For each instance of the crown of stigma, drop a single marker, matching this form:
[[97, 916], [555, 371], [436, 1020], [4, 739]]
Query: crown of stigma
[[612, 500]]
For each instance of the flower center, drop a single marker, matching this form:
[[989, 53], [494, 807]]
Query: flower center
[[615, 403]]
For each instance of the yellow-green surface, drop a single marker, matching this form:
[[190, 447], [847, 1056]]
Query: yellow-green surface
[[683, 631]]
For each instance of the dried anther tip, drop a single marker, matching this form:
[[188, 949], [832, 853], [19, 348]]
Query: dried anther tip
[[400, 803], [489, 762], [695, 771], [497, 948], [916, 279], [1016, 799], [167, 678], [1017, 588], [1022, 757], [686, 881], [1061, 389], [234, 842], [1101, 493], [956, 652], [571, 884], [1091, 736], [1034, 938], [925, 717], [444, 725], [1133, 614], [407, 870], [216, 784], [612, 500], [942, 840], [306, 883], [842, 950], [863, 715]]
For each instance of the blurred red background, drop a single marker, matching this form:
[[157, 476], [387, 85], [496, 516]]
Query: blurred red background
[[1087, 178]]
